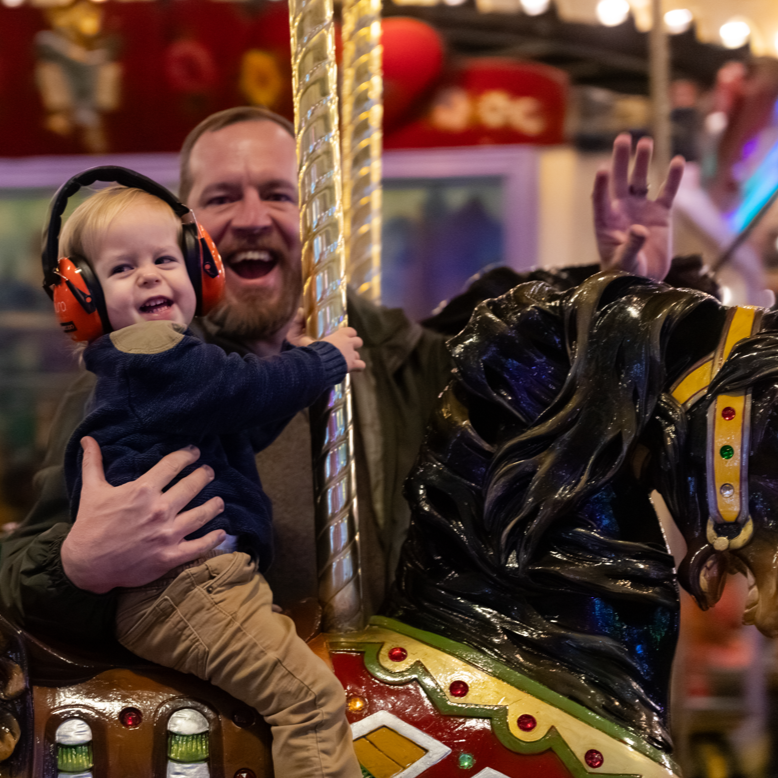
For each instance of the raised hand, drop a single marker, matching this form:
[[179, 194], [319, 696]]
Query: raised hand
[[132, 534], [634, 232]]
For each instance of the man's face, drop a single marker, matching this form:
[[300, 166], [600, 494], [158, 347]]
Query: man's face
[[244, 191]]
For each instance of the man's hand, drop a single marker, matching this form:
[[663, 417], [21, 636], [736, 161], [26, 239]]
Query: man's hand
[[633, 232], [132, 534], [346, 340], [296, 332]]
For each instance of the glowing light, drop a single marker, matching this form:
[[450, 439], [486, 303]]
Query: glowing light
[[756, 191], [454, 2], [735, 33], [678, 20], [535, 7], [612, 12], [12, 3], [775, 42]]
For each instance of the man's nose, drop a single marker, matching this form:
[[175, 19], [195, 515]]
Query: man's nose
[[252, 214]]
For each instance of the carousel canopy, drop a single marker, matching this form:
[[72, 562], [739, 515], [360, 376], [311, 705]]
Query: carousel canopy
[[724, 22]]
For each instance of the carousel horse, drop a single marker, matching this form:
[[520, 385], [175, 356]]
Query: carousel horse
[[534, 616]]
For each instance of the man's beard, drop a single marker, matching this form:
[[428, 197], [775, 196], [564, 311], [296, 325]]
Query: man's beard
[[251, 314]]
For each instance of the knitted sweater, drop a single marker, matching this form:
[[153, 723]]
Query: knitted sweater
[[160, 389]]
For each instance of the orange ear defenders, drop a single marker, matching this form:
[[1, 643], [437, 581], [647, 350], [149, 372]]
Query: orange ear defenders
[[71, 283]]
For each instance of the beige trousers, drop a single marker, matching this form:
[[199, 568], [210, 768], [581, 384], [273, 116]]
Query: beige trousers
[[215, 621]]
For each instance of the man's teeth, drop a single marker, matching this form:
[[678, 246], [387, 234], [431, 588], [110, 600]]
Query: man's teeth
[[261, 255]]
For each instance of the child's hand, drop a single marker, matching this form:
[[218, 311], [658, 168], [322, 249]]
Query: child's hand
[[346, 340], [296, 332]]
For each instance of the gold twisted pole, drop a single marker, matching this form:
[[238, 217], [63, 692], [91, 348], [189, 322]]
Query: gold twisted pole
[[362, 141], [314, 78]]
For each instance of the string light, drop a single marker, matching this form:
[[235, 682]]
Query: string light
[[679, 20], [612, 12], [535, 7], [735, 33], [12, 3]]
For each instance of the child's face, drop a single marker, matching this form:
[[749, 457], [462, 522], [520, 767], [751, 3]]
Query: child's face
[[141, 269]]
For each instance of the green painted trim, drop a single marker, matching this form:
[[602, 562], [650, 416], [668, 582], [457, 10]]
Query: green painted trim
[[74, 759], [187, 748], [504, 673]]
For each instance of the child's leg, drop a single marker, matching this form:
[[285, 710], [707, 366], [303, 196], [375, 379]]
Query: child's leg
[[216, 622]]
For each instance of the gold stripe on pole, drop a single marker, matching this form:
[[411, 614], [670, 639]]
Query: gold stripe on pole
[[362, 112], [314, 77]]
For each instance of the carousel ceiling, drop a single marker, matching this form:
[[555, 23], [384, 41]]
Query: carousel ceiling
[[729, 23], [614, 58]]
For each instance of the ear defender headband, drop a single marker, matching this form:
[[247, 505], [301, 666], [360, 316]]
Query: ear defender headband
[[71, 283], [729, 430]]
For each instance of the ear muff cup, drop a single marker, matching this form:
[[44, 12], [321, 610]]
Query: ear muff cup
[[78, 300], [70, 282]]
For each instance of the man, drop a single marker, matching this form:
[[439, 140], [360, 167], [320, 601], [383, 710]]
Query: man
[[239, 174]]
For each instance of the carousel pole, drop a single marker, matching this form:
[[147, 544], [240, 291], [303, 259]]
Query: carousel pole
[[362, 142], [659, 72], [314, 76]]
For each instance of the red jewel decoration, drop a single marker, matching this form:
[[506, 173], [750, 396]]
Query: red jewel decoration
[[397, 654], [131, 717], [458, 689], [594, 758], [245, 773], [728, 413], [527, 723]]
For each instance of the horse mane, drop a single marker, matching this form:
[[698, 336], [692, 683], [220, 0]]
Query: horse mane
[[531, 536]]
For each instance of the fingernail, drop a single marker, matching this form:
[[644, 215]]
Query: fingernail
[[221, 506], [209, 470], [191, 448]]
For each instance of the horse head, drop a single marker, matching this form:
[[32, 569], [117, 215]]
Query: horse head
[[723, 494], [533, 536]]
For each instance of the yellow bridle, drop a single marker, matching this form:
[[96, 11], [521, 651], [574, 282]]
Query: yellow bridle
[[729, 427]]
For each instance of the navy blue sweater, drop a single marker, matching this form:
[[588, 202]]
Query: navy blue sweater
[[160, 389]]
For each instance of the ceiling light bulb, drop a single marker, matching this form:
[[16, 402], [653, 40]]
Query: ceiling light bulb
[[12, 3], [678, 20], [612, 12], [535, 7], [735, 34]]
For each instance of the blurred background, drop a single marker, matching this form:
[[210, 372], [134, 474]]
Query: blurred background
[[497, 113]]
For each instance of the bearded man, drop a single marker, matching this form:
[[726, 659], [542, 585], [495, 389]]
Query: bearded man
[[239, 174]]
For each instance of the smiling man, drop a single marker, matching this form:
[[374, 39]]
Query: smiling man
[[239, 173], [241, 180]]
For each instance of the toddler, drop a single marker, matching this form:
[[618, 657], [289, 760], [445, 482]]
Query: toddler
[[160, 389]]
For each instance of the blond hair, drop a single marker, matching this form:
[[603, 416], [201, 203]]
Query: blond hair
[[87, 225]]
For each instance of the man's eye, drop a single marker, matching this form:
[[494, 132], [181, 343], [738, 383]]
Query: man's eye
[[219, 200], [281, 197]]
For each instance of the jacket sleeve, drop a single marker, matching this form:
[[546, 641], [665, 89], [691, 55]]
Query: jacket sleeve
[[198, 387], [35, 593]]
